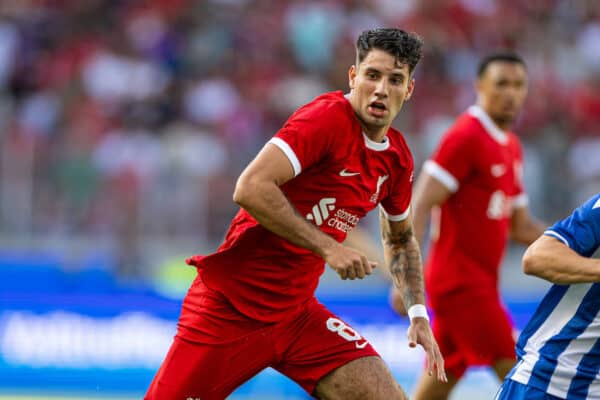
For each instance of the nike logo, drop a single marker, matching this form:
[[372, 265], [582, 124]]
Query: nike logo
[[596, 205], [498, 170], [344, 172]]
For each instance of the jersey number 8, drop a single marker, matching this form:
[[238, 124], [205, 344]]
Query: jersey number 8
[[339, 327]]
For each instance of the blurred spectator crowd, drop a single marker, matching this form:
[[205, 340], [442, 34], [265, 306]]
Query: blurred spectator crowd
[[126, 122]]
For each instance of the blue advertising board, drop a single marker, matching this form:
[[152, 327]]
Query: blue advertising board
[[85, 334]]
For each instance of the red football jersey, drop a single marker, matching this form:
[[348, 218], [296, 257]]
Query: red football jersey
[[340, 175], [482, 166]]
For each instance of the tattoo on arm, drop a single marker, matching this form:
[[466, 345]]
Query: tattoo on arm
[[405, 265]]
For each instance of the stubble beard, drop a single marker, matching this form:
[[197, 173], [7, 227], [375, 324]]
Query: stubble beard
[[504, 120]]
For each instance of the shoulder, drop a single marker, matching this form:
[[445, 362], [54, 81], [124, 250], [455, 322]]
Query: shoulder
[[581, 229], [515, 142], [466, 132], [399, 146], [466, 125], [592, 207], [465, 129], [328, 106], [588, 212]]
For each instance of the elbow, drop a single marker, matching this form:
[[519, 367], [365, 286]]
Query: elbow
[[530, 263], [534, 262], [242, 192], [545, 259]]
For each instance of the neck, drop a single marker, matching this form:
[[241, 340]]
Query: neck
[[501, 123]]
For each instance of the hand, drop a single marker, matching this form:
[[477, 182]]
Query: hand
[[349, 263], [419, 332]]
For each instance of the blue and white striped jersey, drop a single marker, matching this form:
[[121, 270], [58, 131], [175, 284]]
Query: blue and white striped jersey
[[559, 349]]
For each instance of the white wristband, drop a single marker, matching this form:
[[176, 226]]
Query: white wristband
[[418, 310]]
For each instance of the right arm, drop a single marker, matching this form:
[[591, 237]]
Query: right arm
[[257, 191], [550, 259], [429, 192]]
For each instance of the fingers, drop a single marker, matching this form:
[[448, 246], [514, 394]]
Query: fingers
[[363, 267], [346, 272], [430, 361], [441, 369], [352, 271], [412, 337], [369, 266], [351, 264], [436, 361], [358, 269]]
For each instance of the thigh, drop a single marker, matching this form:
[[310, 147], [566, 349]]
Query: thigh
[[366, 378], [502, 367], [488, 334], [480, 333], [216, 349], [207, 371], [315, 343]]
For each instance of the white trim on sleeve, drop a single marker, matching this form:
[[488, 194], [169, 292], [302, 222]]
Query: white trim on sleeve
[[556, 235], [395, 218], [520, 200], [287, 150], [441, 174]]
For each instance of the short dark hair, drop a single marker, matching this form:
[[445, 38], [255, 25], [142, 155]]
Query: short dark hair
[[505, 56], [406, 47]]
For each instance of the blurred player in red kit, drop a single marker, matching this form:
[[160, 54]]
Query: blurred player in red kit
[[472, 183], [252, 305]]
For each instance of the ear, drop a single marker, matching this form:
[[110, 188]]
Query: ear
[[352, 76], [411, 87]]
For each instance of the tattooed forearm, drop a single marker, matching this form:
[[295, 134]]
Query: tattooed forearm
[[405, 266]]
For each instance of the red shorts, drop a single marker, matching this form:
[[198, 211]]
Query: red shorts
[[212, 362], [474, 333]]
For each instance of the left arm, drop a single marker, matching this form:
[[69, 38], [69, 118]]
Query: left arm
[[524, 228], [403, 258]]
